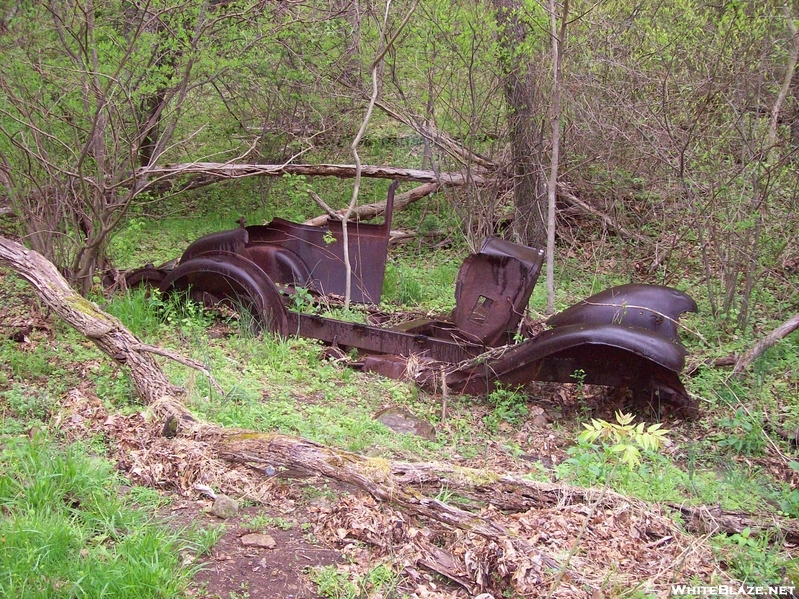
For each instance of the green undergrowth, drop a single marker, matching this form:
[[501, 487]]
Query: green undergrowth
[[732, 456], [67, 531]]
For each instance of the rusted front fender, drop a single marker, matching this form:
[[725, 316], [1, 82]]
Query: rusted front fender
[[650, 307], [600, 354], [232, 277]]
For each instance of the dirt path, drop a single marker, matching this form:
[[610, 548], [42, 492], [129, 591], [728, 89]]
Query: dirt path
[[277, 566]]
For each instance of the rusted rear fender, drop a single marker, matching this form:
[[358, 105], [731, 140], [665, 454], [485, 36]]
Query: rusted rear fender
[[149, 276], [650, 307], [233, 241], [234, 278]]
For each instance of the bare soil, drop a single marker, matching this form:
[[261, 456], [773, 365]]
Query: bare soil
[[235, 570]]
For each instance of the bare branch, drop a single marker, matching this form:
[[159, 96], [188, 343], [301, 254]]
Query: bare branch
[[782, 331]]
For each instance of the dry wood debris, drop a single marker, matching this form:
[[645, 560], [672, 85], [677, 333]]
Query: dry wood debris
[[624, 543]]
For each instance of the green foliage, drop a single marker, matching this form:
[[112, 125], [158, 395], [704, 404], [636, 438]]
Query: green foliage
[[147, 311], [65, 531], [139, 309], [624, 439], [302, 300], [510, 406], [742, 433], [261, 522], [399, 288], [789, 504], [336, 584], [26, 402], [403, 284], [751, 558], [201, 540]]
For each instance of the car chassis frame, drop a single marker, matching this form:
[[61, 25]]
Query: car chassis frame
[[625, 336]]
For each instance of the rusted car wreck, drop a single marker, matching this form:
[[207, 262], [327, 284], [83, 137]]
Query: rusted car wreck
[[623, 337]]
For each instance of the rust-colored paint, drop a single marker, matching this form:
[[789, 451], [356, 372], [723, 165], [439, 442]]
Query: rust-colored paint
[[622, 337], [493, 289]]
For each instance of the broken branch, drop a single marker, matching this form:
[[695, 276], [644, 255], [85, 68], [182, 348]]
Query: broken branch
[[369, 211], [782, 331]]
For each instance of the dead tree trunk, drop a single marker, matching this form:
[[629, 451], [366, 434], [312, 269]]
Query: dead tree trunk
[[199, 174]]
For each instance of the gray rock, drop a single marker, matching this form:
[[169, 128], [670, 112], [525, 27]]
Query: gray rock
[[224, 507], [402, 421]]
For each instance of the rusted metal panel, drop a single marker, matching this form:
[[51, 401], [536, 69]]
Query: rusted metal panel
[[647, 306], [379, 340], [236, 279], [493, 289], [321, 250], [280, 264], [149, 276]]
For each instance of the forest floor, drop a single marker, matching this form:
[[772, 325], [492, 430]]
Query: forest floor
[[319, 538]]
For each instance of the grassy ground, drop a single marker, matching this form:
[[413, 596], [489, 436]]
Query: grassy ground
[[85, 532]]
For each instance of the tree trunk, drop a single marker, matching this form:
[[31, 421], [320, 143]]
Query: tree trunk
[[525, 126]]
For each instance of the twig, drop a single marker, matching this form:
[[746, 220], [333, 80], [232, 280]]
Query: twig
[[444, 394], [198, 366], [653, 311], [354, 147], [323, 205]]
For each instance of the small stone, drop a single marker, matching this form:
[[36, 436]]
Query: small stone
[[401, 420], [540, 421], [224, 507], [258, 540]]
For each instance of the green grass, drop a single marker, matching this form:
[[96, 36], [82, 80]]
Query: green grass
[[66, 532], [336, 584]]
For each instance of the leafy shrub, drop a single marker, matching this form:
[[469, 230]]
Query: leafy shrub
[[510, 405], [742, 433]]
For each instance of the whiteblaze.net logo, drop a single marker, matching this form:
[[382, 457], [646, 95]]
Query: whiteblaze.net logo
[[732, 590]]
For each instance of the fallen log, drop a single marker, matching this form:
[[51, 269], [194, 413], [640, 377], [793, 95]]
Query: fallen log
[[369, 211], [782, 331], [193, 175]]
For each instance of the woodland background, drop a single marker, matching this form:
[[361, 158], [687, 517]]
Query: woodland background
[[641, 141]]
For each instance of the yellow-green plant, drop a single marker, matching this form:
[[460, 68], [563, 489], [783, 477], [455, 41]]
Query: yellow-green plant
[[624, 438]]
